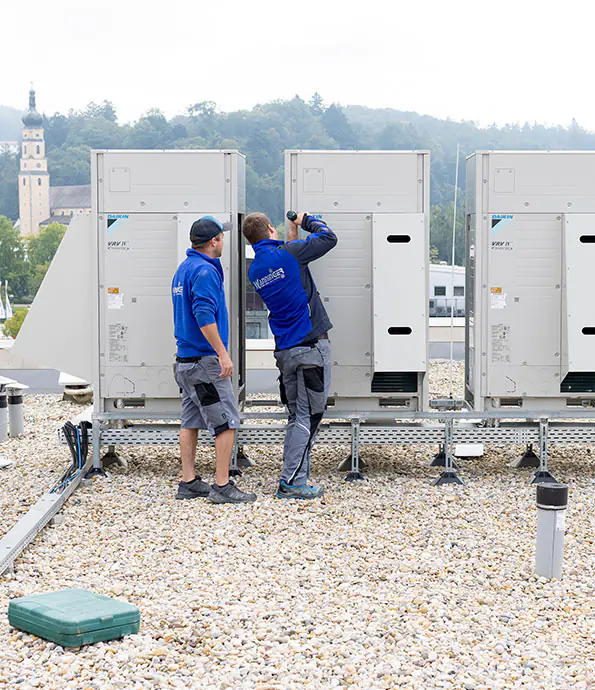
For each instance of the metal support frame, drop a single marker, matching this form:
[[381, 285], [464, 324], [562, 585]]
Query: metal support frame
[[355, 473], [543, 474], [449, 475]]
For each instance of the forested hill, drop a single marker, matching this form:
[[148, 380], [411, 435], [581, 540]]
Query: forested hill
[[264, 132]]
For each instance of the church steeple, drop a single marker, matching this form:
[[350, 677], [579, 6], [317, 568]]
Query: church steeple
[[34, 179], [31, 118]]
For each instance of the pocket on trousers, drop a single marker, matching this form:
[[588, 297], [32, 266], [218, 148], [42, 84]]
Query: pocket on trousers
[[314, 379], [207, 394]]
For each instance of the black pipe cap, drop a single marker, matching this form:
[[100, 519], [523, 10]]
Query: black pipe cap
[[552, 496]]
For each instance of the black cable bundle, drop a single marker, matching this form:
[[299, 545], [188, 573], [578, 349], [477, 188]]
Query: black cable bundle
[[77, 438]]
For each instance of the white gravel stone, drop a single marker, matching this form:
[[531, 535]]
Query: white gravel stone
[[389, 583]]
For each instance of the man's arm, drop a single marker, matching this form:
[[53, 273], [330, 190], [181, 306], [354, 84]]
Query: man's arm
[[205, 290], [320, 241], [211, 333]]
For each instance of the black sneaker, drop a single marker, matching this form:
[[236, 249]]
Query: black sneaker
[[229, 494], [194, 489]]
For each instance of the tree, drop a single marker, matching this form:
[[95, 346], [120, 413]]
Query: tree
[[152, 131], [441, 218], [13, 325], [104, 110], [316, 104], [42, 248], [36, 278], [339, 128], [9, 193], [13, 266]]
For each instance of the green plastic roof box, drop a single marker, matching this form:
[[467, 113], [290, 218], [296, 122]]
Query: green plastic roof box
[[73, 617]]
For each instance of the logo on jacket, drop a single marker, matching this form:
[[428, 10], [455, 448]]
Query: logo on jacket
[[178, 290], [272, 277]]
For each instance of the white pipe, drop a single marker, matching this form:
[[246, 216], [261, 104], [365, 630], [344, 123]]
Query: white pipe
[[452, 286]]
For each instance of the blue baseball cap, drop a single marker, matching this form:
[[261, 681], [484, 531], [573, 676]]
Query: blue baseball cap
[[207, 227]]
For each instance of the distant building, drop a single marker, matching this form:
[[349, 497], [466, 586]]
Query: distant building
[[11, 147], [40, 204], [447, 290], [67, 202]]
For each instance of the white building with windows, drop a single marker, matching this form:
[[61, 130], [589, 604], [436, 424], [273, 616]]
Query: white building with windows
[[447, 290]]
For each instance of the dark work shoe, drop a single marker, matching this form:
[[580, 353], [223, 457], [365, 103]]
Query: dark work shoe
[[194, 489], [229, 494], [303, 492]]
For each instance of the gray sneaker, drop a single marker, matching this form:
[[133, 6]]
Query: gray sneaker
[[229, 494], [194, 489]]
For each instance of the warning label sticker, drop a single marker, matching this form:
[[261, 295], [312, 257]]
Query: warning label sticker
[[497, 299], [115, 300], [118, 343], [500, 343]]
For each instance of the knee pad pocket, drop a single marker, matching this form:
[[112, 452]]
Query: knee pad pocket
[[207, 394], [314, 379]]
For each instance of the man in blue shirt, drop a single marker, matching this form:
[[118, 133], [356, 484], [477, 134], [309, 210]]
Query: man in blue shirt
[[203, 367], [300, 324]]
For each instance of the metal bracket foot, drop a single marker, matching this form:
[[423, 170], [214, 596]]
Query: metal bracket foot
[[543, 476], [528, 459], [112, 458], [345, 465], [439, 460], [234, 472], [447, 477], [354, 477], [96, 472], [243, 460]]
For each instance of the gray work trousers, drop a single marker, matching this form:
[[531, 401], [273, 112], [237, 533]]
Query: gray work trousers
[[304, 381]]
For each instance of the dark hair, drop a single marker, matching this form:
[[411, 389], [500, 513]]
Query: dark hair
[[256, 227], [201, 246]]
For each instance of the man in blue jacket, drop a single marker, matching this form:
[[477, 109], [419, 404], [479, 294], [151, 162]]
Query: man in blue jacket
[[300, 324], [203, 367]]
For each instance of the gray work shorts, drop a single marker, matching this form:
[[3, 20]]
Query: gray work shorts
[[208, 402]]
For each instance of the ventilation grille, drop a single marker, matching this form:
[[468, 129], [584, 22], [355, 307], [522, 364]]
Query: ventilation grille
[[395, 382], [579, 382]]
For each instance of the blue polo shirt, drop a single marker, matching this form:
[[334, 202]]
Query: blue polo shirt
[[198, 300]]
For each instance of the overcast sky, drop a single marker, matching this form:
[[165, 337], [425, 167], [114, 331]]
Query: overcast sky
[[504, 61]]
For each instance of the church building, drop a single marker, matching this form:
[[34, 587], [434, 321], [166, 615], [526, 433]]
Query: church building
[[40, 204]]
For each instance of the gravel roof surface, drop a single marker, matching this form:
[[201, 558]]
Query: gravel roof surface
[[387, 583]]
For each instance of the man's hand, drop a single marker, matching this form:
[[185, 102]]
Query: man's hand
[[226, 365], [294, 227]]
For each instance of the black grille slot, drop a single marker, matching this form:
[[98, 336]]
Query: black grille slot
[[398, 239], [579, 382], [588, 239], [589, 330], [395, 382]]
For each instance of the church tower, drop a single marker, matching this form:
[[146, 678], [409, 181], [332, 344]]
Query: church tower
[[34, 179]]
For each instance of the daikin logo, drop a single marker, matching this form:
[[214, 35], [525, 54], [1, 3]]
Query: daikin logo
[[500, 216]]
